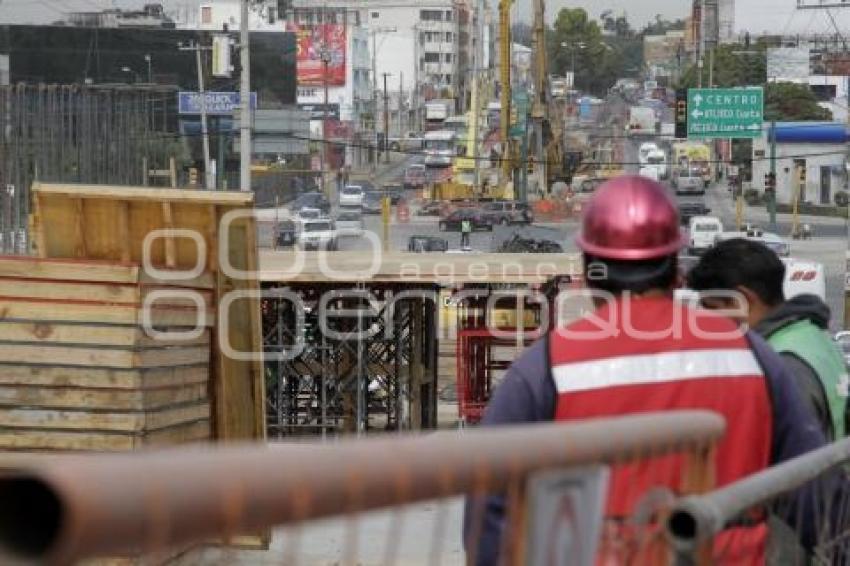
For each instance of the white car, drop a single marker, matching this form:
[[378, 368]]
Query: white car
[[703, 232], [769, 239], [318, 234], [308, 214], [650, 172], [351, 195], [349, 223], [645, 150]]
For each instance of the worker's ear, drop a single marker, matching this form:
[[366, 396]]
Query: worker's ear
[[749, 298]]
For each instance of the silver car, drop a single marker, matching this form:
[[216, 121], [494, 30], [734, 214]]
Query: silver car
[[688, 181]]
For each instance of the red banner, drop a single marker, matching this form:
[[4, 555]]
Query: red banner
[[312, 40]]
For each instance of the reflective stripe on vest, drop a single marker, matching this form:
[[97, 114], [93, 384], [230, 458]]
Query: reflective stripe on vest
[[646, 363], [813, 346]]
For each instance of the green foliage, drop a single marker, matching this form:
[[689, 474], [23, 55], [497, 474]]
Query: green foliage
[[842, 198], [733, 66], [599, 61], [792, 102], [661, 26]]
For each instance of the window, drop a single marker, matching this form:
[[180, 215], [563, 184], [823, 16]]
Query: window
[[448, 79], [449, 36], [272, 15], [432, 57], [431, 15], [206, 14], [375, 15], [448, 57], [448, 15]]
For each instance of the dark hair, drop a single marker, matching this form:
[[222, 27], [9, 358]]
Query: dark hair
[[619, 276], [740, 263]]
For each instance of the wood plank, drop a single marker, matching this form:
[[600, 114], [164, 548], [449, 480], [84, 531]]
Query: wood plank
[[99, 356], [130, 193], [20, 439], [69, 270], [38, 227], [102, 422], [75, 291], [168, 224], [80, 249], [102, 378], [204, 281], [258, 380], [93, 334], [124, 231], [29, 310], [106, 399]]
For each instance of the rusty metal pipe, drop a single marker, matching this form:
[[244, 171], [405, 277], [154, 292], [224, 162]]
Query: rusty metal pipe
[[698, 518], [95, 505]]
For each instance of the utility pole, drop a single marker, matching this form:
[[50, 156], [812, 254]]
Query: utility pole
[[245, 101], [386, 120], [701, 48], [401, 106], [323, 150], [205, 134], [771, 201]]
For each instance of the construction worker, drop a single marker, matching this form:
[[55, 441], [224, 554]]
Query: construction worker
[[629, 356], [465, 231], [796, 328]]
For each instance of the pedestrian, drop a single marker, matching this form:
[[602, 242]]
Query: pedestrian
[[340, 179], [465, 231], [346, 174], [630, 356], [796, 328]]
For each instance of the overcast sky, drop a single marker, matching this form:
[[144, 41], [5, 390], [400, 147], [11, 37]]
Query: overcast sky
[[41, 11]]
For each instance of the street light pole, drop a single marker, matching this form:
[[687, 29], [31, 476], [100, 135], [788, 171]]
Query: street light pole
[[150, 69], [205, 135], [771, 201], [323, 150], [245, 101], [386, 121]]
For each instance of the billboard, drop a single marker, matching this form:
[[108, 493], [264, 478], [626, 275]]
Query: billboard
[[312, 40]]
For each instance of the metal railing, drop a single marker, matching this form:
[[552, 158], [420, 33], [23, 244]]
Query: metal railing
[[74, 507], [819, 510]]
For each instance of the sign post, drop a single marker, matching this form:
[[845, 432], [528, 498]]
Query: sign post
[[725, 112]]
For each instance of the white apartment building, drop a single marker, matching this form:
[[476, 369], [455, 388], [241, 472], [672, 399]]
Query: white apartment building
[[422, 46]]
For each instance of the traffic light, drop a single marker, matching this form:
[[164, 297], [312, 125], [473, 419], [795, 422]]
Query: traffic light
[[193, 176], [803, 173], [681, 113], [770, 182]]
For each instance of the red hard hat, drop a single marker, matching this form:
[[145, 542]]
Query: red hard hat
[[631, 218]]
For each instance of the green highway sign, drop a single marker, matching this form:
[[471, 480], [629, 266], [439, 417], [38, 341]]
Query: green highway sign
[[725, 112]]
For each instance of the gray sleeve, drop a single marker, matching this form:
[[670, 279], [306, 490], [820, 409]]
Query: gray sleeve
[[811, 389]]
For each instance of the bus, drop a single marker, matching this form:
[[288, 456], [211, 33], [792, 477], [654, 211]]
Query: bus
[[440, 148]]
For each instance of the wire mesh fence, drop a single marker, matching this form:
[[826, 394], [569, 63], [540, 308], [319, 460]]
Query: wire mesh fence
[[795, 513]]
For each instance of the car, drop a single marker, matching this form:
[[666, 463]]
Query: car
[[395, 192], [286, 234], [349, 223], [351, 195], [319, 234], [703, 232], [769, 239], [688, 180], [452, 222], [372, 202], [427, 244], [306, 213], [310, 200], [415, 176], [588, 185], [432, 208], [688, 210], [507, 212]]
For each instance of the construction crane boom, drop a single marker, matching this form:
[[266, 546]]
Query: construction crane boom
[[505, 84]]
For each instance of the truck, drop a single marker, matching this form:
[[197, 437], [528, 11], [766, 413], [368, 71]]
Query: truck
[[642, 121], [694, 155], [436, 112], [408, 142]]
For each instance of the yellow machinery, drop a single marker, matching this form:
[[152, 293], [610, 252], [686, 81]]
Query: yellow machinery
[[505, 83]]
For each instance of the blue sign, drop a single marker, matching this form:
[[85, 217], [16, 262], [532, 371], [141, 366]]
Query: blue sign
[[217, 103]]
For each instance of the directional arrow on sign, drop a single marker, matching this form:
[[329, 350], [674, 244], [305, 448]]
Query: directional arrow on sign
[[697, 113], [698, 99], [754, 127]]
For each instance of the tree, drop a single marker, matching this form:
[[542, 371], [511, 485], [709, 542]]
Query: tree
[[792, 102], [661, 26], [733, 66], [575, 39]]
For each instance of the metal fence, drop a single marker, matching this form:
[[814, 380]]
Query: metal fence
[[76, 133], [802, 505], [70, 508]]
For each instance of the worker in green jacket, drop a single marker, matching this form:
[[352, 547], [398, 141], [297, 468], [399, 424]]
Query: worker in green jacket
[[796, 328]]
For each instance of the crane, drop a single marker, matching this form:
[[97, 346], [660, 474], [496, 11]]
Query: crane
[[505, 83]]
